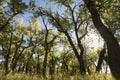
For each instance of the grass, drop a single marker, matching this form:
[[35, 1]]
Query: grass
[[18, 76], [22, 76]]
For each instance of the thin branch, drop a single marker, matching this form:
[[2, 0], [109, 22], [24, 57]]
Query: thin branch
[[82, 22], [7, 22], [85, 32], [52, 40]]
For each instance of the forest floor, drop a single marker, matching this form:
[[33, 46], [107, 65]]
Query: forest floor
[[18, 76]]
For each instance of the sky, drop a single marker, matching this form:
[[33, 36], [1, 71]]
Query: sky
[[26, 16]]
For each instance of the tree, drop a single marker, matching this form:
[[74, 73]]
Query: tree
[[66, 42], [47, 45], [72, 22], [112, 43], [101, 58], [17, 41], [12, 12]]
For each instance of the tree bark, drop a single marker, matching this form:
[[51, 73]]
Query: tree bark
[[112, 43], [38, 65], [52, 66], [15, 58], [101, 58], [45, 63], [8, 55], [79, 57], [27, 67]]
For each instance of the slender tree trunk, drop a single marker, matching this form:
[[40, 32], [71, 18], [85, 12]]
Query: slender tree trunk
[[52, 63], [28, 61], [7, 60], [111, 41], [46, 48], [8, 56], [52, 66], [65, 66], [15, 57], [45, 63], [79, 57], [82, 67], [7, 64], [101, 58], [38, 65], [14, 61]]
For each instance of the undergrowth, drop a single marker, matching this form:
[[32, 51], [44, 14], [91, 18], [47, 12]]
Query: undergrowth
[[23, 76]]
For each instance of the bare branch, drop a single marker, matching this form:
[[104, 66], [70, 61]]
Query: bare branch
[[85, 20]]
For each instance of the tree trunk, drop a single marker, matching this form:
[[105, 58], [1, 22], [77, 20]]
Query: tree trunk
[[8, 56], [101, 58], [15, 57], [7, 64], [15, 60], [45, 64], [52, 66], [82, 67], [27, 68], [38, 65], [79, 57], [111, 41]]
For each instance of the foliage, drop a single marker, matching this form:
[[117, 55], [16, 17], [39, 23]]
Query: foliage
[[37, 39]]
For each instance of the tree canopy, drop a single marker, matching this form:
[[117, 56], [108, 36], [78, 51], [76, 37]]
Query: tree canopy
[[67, 37]]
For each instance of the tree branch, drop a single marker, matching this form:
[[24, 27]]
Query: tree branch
[[7, 22]]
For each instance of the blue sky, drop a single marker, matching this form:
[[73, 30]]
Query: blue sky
[[26, 16]]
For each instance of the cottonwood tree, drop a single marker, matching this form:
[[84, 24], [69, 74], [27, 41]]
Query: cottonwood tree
[[48, 43], [11, 46], [68, 21], [7, 15], [17, 40], [112, 43]]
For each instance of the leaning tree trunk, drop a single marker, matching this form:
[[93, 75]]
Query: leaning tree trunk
[[111, 41], [100, 60], [79, 57]]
